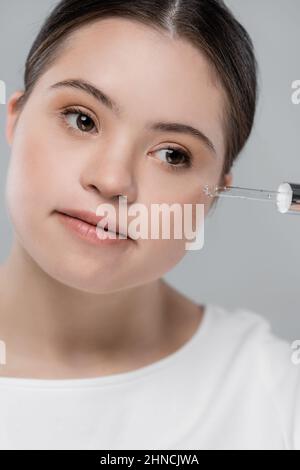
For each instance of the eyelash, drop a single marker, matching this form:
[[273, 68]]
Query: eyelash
[[75, 110], [187, 159], [171, 167]]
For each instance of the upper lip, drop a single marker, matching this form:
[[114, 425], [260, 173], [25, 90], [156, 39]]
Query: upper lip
[[93, 219]]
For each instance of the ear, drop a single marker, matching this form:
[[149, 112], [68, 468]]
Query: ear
[[227, 181], [12, 115]]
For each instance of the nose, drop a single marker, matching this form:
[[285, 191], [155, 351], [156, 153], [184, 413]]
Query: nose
[[111, 176]]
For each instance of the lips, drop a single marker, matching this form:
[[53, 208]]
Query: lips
[[91, 218]]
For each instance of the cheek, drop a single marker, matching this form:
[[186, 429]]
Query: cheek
[[162, 254], [33, 177], [39, 169], [194, 194], [26, 175], [191, 205]]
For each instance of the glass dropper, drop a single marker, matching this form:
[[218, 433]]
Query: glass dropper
[[244, 193], [287, 197]]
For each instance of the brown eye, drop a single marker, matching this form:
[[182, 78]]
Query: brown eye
[[175, 157], [79, 121], [85, 123]]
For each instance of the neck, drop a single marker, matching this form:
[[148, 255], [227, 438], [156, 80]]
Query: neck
[[39, 313]]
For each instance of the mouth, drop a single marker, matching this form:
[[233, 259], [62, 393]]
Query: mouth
[[92, 220]]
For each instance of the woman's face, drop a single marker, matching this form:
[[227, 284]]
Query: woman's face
[[57, 162]]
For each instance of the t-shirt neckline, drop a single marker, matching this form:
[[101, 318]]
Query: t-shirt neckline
[[118, 378]]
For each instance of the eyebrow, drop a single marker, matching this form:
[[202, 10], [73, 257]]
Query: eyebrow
[[114, 107]]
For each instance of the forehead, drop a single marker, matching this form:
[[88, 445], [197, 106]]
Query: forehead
[[150, 74]]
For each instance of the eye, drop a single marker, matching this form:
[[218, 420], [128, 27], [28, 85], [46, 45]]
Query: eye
[[177, 158], [78, 120]]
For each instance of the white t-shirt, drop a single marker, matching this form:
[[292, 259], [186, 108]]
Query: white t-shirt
[[233, 385]]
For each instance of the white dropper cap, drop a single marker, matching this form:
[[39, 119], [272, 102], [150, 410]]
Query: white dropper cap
[[284, 197], [287, 197]]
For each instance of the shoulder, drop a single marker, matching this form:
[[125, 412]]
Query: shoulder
[[250, 332], [242, 323], [264, 356]]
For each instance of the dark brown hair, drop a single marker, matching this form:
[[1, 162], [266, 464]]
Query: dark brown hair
[[207, 24]]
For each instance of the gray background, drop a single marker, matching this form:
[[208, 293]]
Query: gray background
[[251, 256]]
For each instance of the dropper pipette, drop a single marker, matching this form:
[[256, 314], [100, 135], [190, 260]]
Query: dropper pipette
[[287, 197]]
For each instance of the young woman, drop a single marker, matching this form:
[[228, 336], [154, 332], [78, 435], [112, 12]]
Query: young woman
[[150, 100]]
